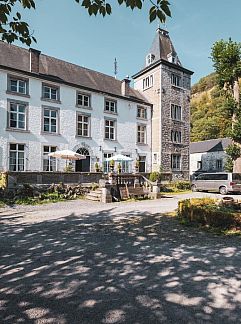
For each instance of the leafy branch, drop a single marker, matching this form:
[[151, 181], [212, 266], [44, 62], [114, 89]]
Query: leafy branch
[[13, 27]]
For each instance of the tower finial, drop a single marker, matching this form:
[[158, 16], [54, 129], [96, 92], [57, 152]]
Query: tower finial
[[115, 68]]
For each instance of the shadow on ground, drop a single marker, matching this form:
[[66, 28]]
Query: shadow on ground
[[130, 268]]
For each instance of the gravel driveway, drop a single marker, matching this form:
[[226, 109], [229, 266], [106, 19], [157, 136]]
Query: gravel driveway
[[84, 262]]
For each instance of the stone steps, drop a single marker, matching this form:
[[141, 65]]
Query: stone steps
[[94, 195]]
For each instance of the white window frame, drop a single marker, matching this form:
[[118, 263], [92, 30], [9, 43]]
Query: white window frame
[[149, 59], [81, 129], [83, 100], [50, 118], [176, 80], [110, 106], [17, 158], [52, 89], [219, 164], [141, 112], [17, 113], [176, 161], [18, 81], [106, 164], [176, 136], [52, 162], [148, 82], [141, 134], [176, 112], [108, 129]]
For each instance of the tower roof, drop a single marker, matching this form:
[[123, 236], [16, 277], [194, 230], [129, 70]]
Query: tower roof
[[162, 48]]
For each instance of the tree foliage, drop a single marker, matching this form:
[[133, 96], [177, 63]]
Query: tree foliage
[[12, 26], [210, 117], [226, 56]]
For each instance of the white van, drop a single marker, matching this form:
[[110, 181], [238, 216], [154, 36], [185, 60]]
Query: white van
[[221, 182]]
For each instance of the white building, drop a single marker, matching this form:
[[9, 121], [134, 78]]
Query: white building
[[208, 156], [47, 104]]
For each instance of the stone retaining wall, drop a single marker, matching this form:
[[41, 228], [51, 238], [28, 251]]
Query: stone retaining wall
[[44, 178]]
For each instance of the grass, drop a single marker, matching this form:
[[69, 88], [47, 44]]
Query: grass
[[170, 193], [47, 198]]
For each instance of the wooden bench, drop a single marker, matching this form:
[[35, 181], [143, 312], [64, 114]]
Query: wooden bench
[[135, 192]]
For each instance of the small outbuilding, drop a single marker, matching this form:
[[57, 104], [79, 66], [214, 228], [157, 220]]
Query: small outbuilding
[[208, 156]]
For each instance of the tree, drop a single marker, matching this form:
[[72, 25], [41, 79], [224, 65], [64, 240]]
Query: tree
[[226, 56], [13, 28]]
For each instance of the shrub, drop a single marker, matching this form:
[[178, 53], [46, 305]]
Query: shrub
[[182, 185], [207, 212], [154, 176]]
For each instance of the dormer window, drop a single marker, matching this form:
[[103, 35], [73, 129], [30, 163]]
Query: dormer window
[[149, 59], [172, 58]]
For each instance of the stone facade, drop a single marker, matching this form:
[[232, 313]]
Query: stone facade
[[208, 156], [163, 93]]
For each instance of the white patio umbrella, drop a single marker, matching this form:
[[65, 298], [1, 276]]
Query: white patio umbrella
[[119, 158], [67, 155]]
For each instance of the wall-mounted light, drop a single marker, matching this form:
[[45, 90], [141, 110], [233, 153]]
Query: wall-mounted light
[[100, 148], [115, 148]]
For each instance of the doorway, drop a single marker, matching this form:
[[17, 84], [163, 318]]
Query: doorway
[[83, 165]]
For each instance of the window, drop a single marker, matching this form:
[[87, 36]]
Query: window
[[176, 162], [83, 100], [176, 112], [49, 163], [17, 115], [176, 136], [142, 163], [125, 165], [50, 93], [141, 112], [141, 134], [155, 156], [50, 122], [110, 129], [83, 125], [148, 82], [219, 164], [149, 59], [176, 80], [16, 157], [106, 164], [17, 85], [199, 165], [110, 106]]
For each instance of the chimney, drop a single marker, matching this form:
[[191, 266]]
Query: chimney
[[34, 60], [125, 86]]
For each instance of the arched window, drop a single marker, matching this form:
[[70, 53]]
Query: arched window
[[83, 151]]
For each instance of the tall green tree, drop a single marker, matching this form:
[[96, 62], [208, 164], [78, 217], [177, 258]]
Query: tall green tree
[[226, 56], [13, 27]]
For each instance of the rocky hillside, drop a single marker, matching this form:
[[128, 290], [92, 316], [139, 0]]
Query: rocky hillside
[[208, 114]]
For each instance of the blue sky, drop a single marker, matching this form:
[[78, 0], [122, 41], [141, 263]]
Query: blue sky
[[64, 30]]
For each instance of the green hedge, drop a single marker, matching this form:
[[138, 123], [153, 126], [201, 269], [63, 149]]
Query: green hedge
[[206, 212]]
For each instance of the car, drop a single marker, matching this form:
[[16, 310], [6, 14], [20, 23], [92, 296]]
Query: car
[[222, 182]]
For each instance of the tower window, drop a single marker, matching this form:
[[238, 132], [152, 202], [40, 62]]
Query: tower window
[[176, 80], [149, 59], [148, 82]]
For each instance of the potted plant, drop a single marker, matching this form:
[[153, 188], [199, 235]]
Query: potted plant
[[97, 167], [137, 164], [119, 168], [112, 165]]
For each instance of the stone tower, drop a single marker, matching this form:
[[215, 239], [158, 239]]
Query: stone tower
[[166, 84]]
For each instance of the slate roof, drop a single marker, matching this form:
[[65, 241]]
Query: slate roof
[[18, 58], [213, 145], [162, 46]]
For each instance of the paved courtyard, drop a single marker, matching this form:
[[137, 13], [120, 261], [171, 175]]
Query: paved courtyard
[[84, 262]]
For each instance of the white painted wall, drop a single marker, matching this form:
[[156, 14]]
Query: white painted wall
[[35, 140]]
